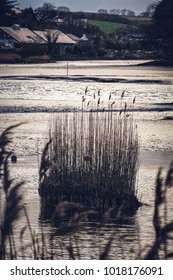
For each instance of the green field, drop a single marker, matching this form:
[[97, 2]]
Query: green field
[[107, 27]]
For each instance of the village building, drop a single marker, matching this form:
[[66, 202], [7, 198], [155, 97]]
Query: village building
[[57, 39], [73, 37], [18, 37], [14, 36]]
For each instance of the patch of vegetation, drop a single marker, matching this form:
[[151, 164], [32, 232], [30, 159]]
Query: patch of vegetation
[[139, 19], [106, 26], [92, 160], [41, 246]]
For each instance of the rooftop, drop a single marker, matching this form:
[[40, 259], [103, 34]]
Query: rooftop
[[22, 35], [55, 34]]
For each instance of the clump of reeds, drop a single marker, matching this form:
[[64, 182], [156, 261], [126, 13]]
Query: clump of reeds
[[37, 247], [42, 249], [163, 228], [12, 207], [93, 161]]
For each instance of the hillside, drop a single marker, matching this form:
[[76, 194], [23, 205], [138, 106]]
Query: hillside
[[106, 26], [109, 24]]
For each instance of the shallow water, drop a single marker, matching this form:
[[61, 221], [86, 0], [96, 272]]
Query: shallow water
[[31, 93]]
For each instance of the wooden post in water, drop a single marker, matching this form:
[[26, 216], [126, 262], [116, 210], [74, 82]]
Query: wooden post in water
[[67, 71]]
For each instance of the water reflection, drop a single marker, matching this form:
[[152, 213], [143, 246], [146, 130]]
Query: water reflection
[[91, 240]]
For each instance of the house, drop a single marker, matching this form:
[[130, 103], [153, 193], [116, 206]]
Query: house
[[34, 41], [73, 37], [80, 42], [134, 37], [61, 41], [15, 35]]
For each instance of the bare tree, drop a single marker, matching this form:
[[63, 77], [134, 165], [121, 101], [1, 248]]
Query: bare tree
[[102, 11], [51, 38], [130, 13], [48, 10], [63, 9], [113, 11], [123, 12], [118, 11]]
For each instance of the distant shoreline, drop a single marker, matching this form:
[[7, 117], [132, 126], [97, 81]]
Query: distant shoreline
[[17, 59], [157, 63]]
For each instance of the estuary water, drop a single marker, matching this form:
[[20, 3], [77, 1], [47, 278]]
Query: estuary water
[[32, 94]]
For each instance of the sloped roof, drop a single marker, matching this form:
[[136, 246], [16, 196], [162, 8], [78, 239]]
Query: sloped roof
[[61, 37], [73, 37], [22, 35]]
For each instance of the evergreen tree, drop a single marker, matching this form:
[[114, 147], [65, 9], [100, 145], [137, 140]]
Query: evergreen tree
[[7, 14], [163, 19], [159, 32], [163, 27]]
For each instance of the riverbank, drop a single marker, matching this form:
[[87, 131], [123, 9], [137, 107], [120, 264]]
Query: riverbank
[[157, 63], [13, 58], [17, 58]]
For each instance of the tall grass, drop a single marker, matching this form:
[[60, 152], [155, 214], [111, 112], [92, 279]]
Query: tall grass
[[93, 161], [160, 249], [12, 207], [42, 246]]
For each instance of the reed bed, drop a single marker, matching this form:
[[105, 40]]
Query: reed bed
[[92, 159], [43, 245]]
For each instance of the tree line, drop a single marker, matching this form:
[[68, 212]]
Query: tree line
[[123, 12]]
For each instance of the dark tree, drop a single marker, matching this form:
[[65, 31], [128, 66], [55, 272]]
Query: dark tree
[[151, 9], [102, 11], [163, 19], [163, 27], [7, 13], [28, 19]]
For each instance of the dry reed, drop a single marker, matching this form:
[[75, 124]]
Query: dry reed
[[12, 207], [93, 161], [39, 247], [163, 229]]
